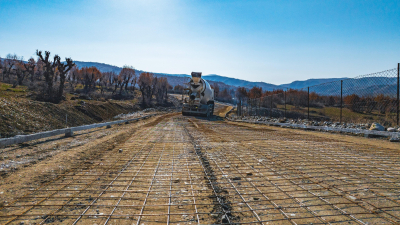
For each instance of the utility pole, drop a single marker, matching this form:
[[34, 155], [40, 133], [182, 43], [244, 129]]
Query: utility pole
[[285, 104], [271, 107], [341, 99], [308, 104], [398, 84]]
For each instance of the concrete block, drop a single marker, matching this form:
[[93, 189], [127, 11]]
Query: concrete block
[[69, 132], [394, 139]]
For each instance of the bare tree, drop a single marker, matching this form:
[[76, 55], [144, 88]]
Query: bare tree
[[72, 78], [39, 70], [52, 70], [49, 68], [161, 90], [145, 83], [8, 66], [125, 76], [109, 76], [216, 90], [117, 82], [62, 71], [20, 72], [30, 67], [103, 82], [133, 82]]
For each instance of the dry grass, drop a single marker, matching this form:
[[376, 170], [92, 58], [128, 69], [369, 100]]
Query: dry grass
[[21, 115]]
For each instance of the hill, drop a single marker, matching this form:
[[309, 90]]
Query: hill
[[101, 66], [308, 83], [367, 86], [175, 79], [240, 83]]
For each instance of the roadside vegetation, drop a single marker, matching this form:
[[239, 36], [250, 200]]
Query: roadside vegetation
[[355, 108], [46, 93]]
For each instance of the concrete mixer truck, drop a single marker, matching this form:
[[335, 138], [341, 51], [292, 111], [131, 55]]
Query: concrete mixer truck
[[200, 100]]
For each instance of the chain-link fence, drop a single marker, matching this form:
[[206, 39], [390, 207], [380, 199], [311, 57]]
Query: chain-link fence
[[363, 99]]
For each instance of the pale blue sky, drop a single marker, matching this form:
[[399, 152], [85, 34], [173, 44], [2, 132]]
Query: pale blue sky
[[271, 41]]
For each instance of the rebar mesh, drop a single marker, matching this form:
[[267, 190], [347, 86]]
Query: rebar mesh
[[198, 171]]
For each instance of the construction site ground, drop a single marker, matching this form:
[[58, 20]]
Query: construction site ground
[[174, 169]]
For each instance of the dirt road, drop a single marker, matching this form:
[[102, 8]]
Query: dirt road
[[187, 170]]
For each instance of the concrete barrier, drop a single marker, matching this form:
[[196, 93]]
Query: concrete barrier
[[67, 131]]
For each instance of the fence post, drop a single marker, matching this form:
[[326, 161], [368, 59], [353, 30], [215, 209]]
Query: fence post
[[398, 83], [66, 120], [285, 104], [270, 109], [256, 102], [251, 107], [237, 108], [308, 104], [247, 107], [341, 99], [241, 107], [249, 102]]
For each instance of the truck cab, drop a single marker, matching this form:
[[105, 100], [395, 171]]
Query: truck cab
[[200, 99]]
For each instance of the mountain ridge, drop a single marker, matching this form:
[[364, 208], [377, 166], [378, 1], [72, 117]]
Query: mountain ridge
[[229, 81]]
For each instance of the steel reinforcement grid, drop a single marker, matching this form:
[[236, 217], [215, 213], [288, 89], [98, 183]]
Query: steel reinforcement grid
[[363, 99], [196, 171]]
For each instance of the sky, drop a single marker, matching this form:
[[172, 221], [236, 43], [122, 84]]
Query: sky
[[271, 41]]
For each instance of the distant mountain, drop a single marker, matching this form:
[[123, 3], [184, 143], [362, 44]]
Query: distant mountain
[[173, 79], [367, 86], [240, 83], [100, 66], [234, 82], [362, 86], [308, 83]]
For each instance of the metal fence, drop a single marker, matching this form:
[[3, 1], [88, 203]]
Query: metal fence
[[363, 99]]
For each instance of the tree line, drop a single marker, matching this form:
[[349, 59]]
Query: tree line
[[224, 95], [300, 98], [50, 79]]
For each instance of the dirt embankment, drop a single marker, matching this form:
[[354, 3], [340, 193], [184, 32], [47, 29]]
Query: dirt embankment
[[24, 116]]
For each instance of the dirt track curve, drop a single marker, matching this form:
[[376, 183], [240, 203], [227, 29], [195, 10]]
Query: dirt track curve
[[188, 170]]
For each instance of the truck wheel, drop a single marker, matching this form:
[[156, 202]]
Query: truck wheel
[[210, 110]]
